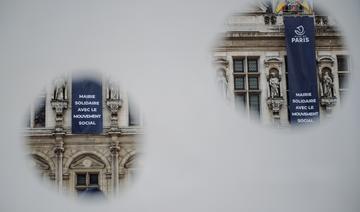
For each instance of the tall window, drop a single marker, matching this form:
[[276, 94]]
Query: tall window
[[86, 181], [246, 84], [39, 115], [343, 73]]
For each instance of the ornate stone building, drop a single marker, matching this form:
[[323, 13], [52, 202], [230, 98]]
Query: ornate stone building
[[84, 162], [251, 65]]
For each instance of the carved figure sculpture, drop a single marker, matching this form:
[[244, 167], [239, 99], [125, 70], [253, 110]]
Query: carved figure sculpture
[[223, 83], [114, 91], [274, 84], [59, 90], [327, 85]]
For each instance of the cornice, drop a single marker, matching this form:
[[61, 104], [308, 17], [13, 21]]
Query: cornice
[[49, 132]]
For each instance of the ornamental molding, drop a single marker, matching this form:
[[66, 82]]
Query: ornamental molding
[[59, 106], [326, 61], [87, 162], [275, 105], [222, 62], [328, 103], [273, 62], [78, 155]]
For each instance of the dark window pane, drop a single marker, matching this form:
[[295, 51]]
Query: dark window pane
[[240, 101], [343, 64], [39, 119], [94, 179], [254, 103], [252, 65], [238, 65], [343, 81], [253, 83], [239, 83], [80, 179]]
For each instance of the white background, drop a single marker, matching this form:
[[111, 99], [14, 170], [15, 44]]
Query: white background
[[200, 155]]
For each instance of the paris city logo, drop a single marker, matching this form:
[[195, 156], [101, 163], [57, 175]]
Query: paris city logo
[[300, 36]]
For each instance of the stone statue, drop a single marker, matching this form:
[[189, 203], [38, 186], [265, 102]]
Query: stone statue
[[223, 83], [59, 90], [327, 85], [274, 84], [114, 91]]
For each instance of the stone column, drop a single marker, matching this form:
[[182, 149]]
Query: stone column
[[115, 149], [114, 103], [59, 152], [59, 104]]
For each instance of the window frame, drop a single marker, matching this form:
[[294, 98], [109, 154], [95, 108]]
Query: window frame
[[252, 58], [243, 59], [246, 75], [343, 74], [80, 188], [40, 103]]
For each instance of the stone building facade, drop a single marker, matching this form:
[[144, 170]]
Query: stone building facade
[[76, 163], [251, 65]]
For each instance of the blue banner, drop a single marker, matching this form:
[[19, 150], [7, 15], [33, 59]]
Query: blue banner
[[87, 117], [303, 100]]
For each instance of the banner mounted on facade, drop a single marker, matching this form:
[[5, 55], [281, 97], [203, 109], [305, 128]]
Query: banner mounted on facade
[[301, 64], [87, 117]]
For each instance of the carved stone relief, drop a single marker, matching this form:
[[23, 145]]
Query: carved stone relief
[[326, 78], [275, 98]]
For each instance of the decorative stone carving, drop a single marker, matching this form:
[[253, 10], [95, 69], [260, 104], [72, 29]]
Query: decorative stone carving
[[222, 82], [321, 20], [275, 104], [113, 91], [87, 162], [327, 91], [59, 103], [59, 106], [328, 103], [59, 149], [327, 85], [40, 163], [222, 76], [274, 85], [114, 148], [270, 19], [275, 98], [114, 103], [114, 107], [60, 89], [130, 162]]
